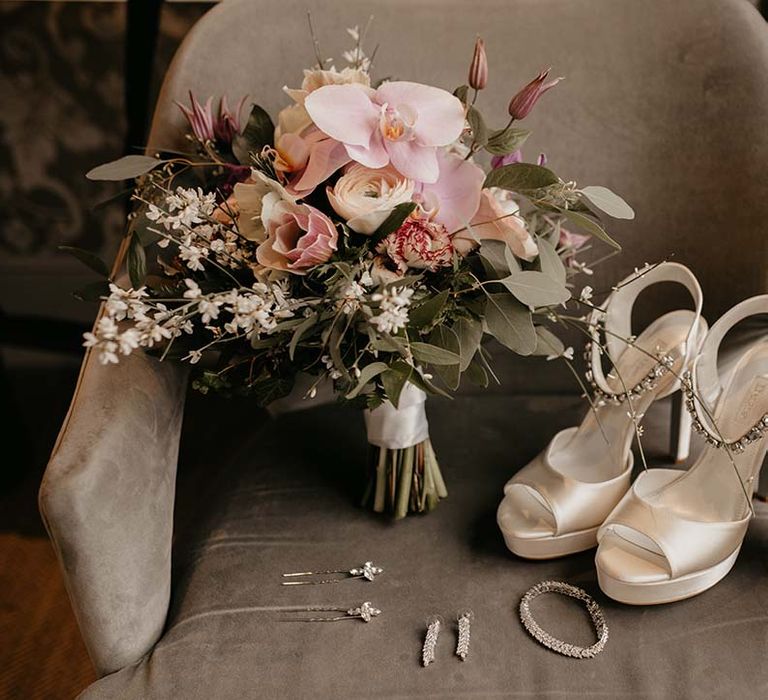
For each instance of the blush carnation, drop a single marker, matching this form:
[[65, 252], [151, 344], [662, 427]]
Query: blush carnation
[[420, 244]]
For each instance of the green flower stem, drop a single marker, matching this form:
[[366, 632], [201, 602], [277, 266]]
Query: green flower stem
[[404, 481], [381, 480]]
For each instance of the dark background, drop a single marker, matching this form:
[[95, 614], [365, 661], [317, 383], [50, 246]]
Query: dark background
[[77, 85]]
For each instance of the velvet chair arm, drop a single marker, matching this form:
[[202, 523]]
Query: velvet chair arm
[[107, 500]]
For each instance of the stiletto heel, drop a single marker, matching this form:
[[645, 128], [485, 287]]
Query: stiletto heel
[[677, 533], [679, 430], [761, 494], [554, 505]]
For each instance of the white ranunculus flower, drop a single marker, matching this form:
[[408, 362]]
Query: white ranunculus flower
[[365, 197], [314, 79]]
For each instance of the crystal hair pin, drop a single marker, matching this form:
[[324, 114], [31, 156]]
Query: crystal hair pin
[[367, 572], [365, 612]]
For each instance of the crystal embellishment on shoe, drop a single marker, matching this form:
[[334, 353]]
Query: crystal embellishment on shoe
[[556, 503], [665, 364], [677, 533], [755, 433]]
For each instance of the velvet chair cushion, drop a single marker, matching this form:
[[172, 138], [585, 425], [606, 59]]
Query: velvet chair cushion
[[287, 502]]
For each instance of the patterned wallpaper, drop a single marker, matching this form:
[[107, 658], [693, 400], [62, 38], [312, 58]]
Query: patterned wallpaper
[[61, 113]]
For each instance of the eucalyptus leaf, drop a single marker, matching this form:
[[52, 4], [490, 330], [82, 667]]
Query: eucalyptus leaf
[[405, 281], [89, 259], [512, 262], [521, 177], [505, 141], [536, 289], [461, 92], [485, 360], [418, 379], [477, 375], [446, 338], [92, 291], [125, 168], [551, 264], [393, 222], [510, 323], [433, 355], [424, 314], [394, 379], [470, 333], [258, 343], [494, 253], [477, 124], [137, 262], [608, 201], [547, 343], [258, 132], [265, 391], [589, 225], [368, 373], [390, 343], [334, 350], [305, 325]]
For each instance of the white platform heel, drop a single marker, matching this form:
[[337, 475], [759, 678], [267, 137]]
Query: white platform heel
[[676, 534], [555, 505]]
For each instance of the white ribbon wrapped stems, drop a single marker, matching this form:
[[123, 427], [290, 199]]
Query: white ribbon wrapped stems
[[397, 428]]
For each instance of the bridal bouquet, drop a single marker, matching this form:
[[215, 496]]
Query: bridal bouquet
[[361, 241]]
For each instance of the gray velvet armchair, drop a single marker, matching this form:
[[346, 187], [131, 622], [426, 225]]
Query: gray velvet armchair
[[666, 102]]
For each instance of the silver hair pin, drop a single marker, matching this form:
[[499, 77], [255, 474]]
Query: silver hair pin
[[464, 621], [365, 612], [430, 640], [367, 572]]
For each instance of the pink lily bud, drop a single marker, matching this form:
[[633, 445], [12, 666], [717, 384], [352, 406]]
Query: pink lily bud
[[200, 118], [228, 122], [523, 102], [478, 70]]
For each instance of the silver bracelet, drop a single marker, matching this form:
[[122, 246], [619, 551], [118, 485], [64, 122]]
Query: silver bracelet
[[598, 620]]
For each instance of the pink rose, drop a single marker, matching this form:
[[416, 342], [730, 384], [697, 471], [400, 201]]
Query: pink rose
[[497, 219], [420, 244], [299, 237]]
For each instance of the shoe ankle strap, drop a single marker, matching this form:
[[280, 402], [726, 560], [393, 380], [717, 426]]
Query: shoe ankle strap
[[703, 384], [706, 376], [614, 320]]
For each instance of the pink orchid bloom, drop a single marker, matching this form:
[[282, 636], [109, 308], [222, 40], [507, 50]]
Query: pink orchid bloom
[[454, 198], [400, 123]]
